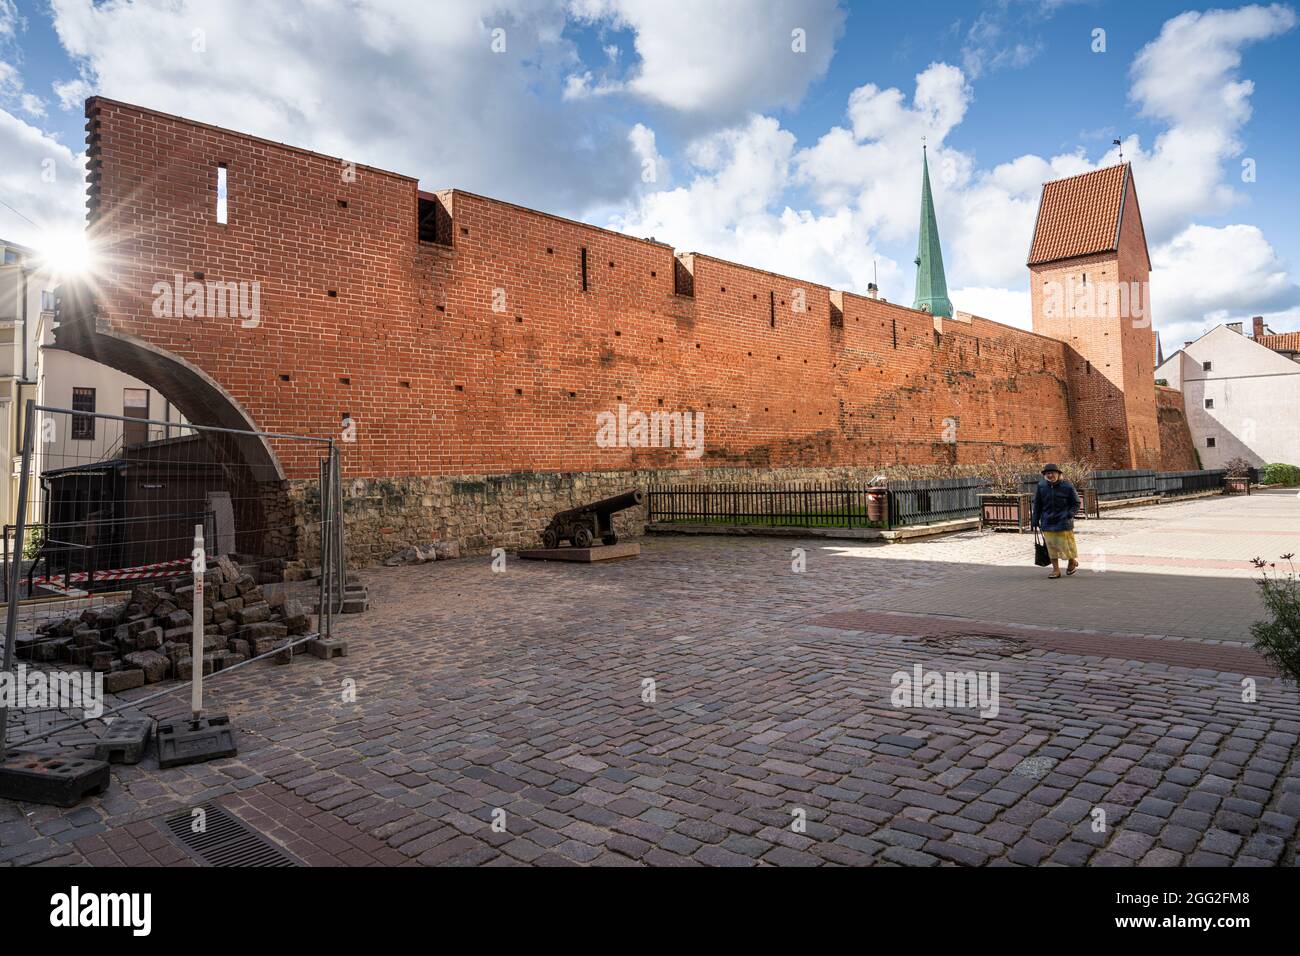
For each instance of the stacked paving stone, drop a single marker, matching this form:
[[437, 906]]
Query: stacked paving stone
[[149, 637]]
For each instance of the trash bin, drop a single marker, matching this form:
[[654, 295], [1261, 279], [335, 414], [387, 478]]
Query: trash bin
[[878, 503]]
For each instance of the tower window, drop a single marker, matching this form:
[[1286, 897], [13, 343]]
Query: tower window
[[1209, 403], [1206, 366], [221, 193], [1209, 442]]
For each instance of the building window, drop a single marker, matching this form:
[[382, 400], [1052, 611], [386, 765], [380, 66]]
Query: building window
[[1209, 442], [221, 193], [1209, 403], [1205, 366], [83, 426], [47, 300], [1092, 444], [135, 405]]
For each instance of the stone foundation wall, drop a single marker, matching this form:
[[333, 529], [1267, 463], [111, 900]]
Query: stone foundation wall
[[482, 512]]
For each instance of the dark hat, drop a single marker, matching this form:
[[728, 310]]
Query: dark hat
[[1050, 466]]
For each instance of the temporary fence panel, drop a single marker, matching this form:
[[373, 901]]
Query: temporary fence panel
[[111, 503]]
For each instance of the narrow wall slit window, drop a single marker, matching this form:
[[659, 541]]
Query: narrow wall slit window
[[584, 268], [83, 426], [221, 194]]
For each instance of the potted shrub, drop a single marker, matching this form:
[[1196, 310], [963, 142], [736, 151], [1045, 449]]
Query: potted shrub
[[1237, 477], [1079, 474], [1007, 505]]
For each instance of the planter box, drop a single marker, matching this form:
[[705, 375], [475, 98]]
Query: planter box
[[1089, 506], [1011, 511], [1236, 486]]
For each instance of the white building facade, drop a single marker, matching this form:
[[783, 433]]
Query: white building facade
[[31, 368], [1242, 398]]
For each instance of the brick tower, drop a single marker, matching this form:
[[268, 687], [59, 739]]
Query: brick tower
[[1089, 271]]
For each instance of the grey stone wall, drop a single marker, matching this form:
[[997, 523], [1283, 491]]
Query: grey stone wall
[[482, 512]]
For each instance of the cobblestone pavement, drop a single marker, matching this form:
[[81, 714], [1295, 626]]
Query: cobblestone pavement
[[768, 735]]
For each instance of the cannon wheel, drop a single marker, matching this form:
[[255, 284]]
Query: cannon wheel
[[610, 538], [582, 538], [550, 539]]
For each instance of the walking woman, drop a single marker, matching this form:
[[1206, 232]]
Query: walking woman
[[1055, 504]]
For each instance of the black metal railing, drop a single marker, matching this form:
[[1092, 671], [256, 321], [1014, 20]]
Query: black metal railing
[[805, 506], [1129, 483], [1175, 484], [932, 500], [903, 503]]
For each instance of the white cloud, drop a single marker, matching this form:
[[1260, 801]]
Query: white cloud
[[1188, 77], [42, 179], [865, 178], [1008, 306], [387, 84], [32, 105], [721, 58], [1206, 275], [10, 22], [732, 209], [72, 94]]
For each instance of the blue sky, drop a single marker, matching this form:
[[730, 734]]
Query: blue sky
[[699, 123]]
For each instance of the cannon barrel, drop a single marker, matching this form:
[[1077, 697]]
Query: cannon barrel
[[607, 506]]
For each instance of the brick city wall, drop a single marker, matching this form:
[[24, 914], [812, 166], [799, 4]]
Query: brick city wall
[[484, 355]]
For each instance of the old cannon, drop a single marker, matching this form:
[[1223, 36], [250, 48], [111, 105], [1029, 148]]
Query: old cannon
[[583, 525]]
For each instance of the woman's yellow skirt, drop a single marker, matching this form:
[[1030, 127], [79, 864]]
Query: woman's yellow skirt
[[1061, 544]]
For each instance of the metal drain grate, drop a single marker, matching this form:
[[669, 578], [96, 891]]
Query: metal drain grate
[[226, 840]]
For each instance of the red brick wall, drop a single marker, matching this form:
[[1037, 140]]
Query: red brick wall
[[1177, 450], [441, 383]]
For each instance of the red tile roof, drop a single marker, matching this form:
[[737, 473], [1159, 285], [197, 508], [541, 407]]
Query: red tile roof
[[1080, 215], [1283, 341]]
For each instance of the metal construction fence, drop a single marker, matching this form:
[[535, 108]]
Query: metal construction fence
[[892, 505], [99, 562]]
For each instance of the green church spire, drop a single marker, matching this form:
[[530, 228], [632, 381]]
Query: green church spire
[[931, 286]]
